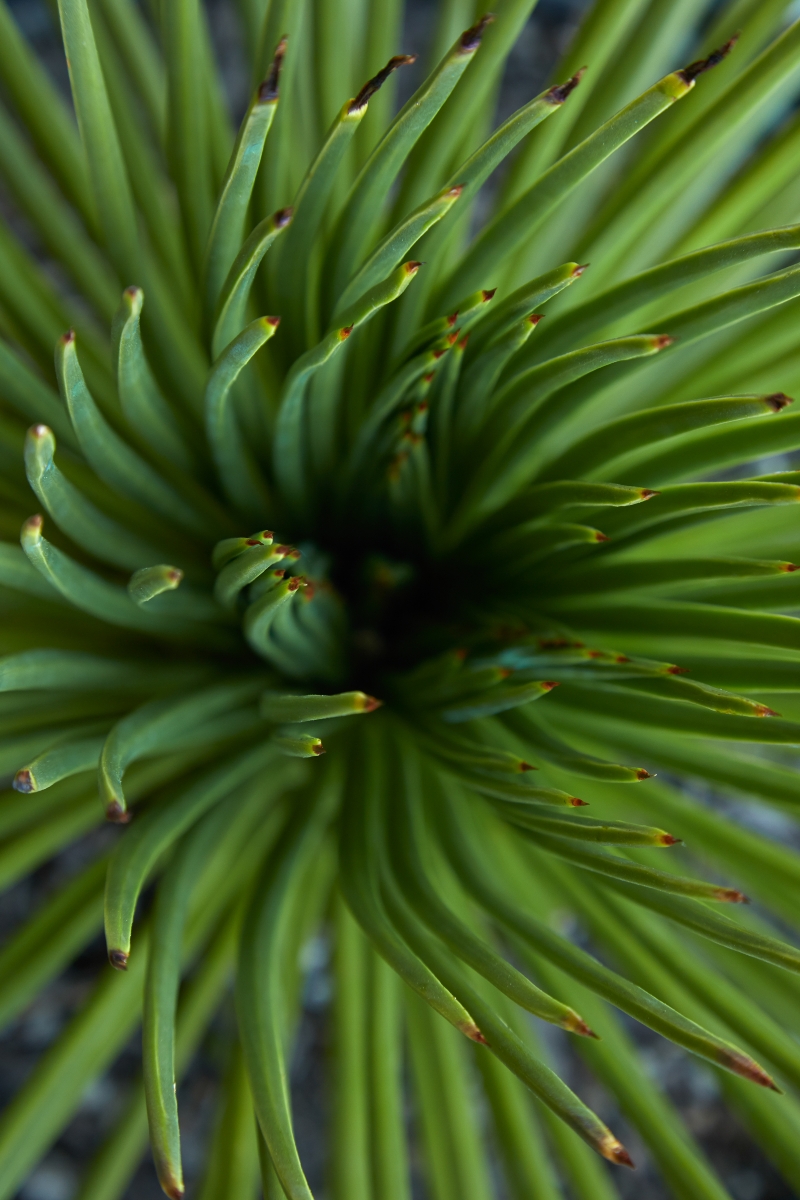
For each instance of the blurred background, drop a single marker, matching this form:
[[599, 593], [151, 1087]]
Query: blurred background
[[742, 1167]]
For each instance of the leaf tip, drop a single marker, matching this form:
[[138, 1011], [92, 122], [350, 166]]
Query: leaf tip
[[642, 774], [559, 93], [23, 781], [269, 90], [117, 814], [360, 102], [778, 400], [612, 1149], [118, 959], [695, 69], [471, 38]]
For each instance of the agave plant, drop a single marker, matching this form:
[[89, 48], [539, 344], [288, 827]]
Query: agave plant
[[514, 536]]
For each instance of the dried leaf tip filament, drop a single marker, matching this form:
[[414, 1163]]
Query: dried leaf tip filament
[[374, 84], [269, 90], [471, 38], [615, 1152], [702, 65], [559, 93]]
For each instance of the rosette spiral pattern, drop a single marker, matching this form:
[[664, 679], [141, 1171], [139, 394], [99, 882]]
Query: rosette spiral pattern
[[479, 495]]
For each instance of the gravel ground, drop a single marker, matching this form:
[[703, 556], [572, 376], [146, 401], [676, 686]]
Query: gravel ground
[[693, 1089]]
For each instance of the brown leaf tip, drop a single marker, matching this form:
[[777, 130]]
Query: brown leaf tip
[[68, 337], [370, 703], [456, 191], [579, 270], [118, 959], [273, 322], [662, 341], [471, 38], [748, 1068], [269, 89], [577, 803], [116, 814], [579, 1026], [702, 65], [731, 896], [789, 567], [549, 684], [474, 1034], [318, 748], [488, 294], [559, 93], [282, 217], [376, 83], [601, 537], [526, 766], [534, 319], [647, 494], [642, 774], [667, 839], [34, 524], [778, 400], [761, 710], [615, 1152], [23, 781]]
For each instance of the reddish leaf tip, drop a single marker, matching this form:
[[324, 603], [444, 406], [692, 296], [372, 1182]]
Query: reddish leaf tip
[[23, 781], [578, 271], [488, 295], [702, 65], [778, 400], [642, 774], [577, 803], [377, 81], [269, 89], [116, 814], [731, 896], [559, 93], [471, 38], [118, 959]]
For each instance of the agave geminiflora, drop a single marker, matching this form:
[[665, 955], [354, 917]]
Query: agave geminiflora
[[468, 510]]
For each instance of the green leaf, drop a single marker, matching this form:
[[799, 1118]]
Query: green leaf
[[228, 225], [236, 472], [353, 230], [109, 179], [509, 230]]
